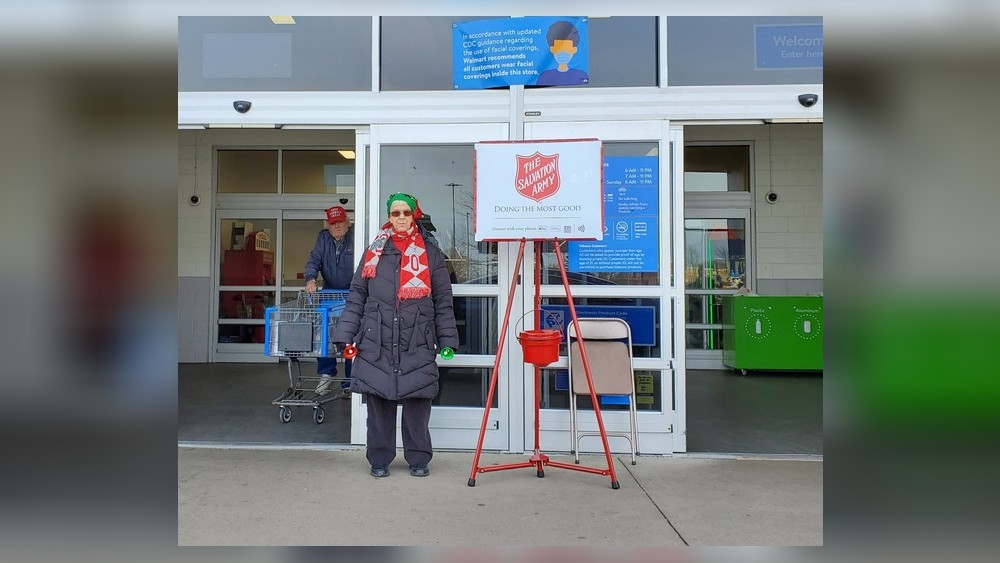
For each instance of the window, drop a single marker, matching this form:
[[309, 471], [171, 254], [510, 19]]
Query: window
[[254, 54], [717, 168], [298, 239], [316, 172], [247, 272], [440, 176], [248, 172], [555, 384], [302, 171]]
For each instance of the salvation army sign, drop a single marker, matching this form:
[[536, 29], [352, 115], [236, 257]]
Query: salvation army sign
[[537, 175], [538, 190]]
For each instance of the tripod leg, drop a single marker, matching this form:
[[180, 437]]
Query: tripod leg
[[586, 367], [496, 366]]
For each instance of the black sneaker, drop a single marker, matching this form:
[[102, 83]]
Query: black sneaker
[[420, 470], [380, 471]]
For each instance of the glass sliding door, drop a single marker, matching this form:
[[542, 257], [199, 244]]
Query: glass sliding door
[[246, 270], [641, 221], [435, 164], [715, 264], [269, 202]]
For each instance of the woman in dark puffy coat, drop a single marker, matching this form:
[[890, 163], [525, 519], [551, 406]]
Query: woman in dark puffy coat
[[399, 314]]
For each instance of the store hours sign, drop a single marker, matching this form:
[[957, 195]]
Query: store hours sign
[[631, 215]]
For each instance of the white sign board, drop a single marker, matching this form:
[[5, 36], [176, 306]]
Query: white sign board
[[539, 190]]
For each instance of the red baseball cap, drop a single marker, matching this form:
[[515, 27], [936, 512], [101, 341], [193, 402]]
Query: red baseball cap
[[336, 214]]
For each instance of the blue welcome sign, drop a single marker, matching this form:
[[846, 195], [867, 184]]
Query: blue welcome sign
[[542, 51], [788, 46]]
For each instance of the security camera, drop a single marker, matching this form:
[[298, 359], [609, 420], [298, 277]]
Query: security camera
[[195, 200], [243, 106], [343, 201], [808, 100], [771, 197]]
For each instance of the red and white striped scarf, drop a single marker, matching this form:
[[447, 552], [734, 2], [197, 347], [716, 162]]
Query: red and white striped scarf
[[414, 271]]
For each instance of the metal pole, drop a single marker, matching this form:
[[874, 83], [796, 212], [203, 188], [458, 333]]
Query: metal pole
[[454, 237]]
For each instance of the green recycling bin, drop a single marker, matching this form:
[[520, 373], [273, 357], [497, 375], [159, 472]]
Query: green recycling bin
[[772, 332]]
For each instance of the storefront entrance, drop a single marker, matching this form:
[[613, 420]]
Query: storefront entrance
[[636, 273], [435, 163]]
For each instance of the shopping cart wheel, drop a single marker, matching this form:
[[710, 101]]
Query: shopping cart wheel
[[319, 415], [284, 414]]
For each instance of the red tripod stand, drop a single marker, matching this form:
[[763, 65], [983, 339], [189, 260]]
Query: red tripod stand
[[538, 460]]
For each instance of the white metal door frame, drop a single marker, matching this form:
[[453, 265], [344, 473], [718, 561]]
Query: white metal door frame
[[676, 293]]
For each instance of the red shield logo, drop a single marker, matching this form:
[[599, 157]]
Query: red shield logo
[[537, 176]]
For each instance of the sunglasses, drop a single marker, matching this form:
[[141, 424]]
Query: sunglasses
[[404, 213]]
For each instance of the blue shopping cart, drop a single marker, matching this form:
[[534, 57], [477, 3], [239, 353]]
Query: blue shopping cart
[[302, 328]]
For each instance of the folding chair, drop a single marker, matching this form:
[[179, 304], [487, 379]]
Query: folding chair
[[609, 353]]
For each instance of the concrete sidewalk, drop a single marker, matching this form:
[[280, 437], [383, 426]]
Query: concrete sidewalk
[[326, 497]]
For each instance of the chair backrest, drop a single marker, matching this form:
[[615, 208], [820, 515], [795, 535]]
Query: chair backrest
[[609, 352]]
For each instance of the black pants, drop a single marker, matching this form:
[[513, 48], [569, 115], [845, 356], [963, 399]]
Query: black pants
[[382, 430]]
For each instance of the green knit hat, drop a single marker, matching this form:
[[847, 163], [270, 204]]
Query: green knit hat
[[405, 198]]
